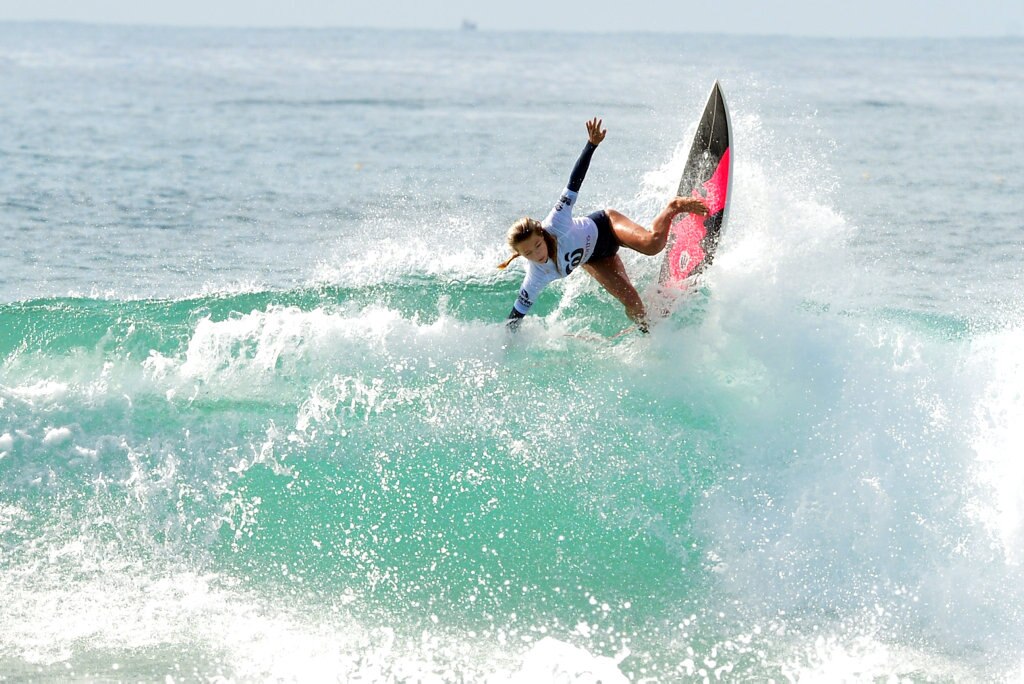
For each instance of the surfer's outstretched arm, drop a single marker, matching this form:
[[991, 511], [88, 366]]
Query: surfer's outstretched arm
[[533, 283], [579, 171]]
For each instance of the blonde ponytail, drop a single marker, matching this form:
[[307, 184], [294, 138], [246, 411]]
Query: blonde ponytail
[[503, 265]]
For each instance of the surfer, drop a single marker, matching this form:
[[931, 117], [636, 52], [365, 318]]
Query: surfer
[[556, 246]]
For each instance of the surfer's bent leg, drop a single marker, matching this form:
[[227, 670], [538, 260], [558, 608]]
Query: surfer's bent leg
[[651, 242], [611, 273]]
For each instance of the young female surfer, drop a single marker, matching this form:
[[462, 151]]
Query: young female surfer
[[556, 246]]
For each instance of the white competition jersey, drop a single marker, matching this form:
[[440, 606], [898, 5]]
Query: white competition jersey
[[575, 240]]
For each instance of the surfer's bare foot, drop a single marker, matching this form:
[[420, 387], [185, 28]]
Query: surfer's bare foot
[[689, 205]]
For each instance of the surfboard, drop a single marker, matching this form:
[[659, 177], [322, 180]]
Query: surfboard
[[693, 239]]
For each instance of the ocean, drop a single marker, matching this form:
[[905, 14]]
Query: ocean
[[260, 419]]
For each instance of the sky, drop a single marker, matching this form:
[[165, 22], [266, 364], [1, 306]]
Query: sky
[[833, 18]]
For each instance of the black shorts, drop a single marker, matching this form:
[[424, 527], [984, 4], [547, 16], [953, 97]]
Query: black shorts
[[607, 244]]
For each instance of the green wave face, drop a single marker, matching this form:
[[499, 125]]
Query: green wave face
[[341, 447], [390, 455]]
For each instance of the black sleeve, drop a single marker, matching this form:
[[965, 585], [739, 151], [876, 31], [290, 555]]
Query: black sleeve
[[514, 319], [579, 171]]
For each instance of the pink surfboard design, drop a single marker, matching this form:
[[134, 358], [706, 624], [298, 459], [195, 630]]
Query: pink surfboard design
[[707, 175]]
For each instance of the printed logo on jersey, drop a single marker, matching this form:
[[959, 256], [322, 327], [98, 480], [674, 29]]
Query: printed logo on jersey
[[572, 260], [524, 299], [563, 201]]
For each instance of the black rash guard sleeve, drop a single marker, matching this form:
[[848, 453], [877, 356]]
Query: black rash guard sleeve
[[514, 319], [579, 171]]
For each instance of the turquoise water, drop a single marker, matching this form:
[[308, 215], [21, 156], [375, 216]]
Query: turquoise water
[[259, 419]]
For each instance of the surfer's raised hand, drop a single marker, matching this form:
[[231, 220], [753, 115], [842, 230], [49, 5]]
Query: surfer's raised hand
[[690, 205], [594, 131]]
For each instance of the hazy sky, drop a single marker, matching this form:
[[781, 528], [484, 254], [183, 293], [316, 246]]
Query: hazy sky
[[796, 17]]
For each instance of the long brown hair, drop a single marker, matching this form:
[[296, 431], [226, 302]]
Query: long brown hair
[[524, 229]]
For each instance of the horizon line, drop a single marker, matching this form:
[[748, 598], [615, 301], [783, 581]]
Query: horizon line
[[460, 28]]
